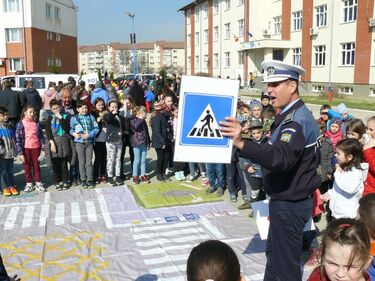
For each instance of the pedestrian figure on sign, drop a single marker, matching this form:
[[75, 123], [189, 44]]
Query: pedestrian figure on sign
[[208, 119]]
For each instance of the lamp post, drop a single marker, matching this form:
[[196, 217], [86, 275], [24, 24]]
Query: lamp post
[[132, 41]]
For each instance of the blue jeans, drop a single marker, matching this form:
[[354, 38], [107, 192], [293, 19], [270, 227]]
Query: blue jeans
[[215, 172], [192, 168], [6, 173], [140, 152]]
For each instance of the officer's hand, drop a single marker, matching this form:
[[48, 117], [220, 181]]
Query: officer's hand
[[231, 128], [325, 197], [251, 170]]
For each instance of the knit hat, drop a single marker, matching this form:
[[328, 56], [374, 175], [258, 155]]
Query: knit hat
[[255, 103], [264, 96], [341, 108], [98, 84], [255, 124], [160, 105], [335, 120]]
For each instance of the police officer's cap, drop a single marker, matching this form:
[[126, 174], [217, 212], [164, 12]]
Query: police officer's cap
[[279, 71]]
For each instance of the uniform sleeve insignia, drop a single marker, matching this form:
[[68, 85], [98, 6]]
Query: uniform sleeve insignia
[[286, 137]]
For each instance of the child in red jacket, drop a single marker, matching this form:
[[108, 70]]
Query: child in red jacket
[[369, 157]]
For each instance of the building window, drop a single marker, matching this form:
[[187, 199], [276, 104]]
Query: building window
[[197, 14], [372, 92], [216, 7], [216, 60], [227, 5], [205, 61], [189, 62], [188, 18], [188, 40], [320, 55], [13, 35], [227, 31], [321, 15], [241, 27], [241, 2], [297, 55], [196, 61], [196, 38], [297, 21], [206, 36], [227, 59], [15, 65], [348, 54], [346, 90], [317, 88], [49, 35], [58, 62], [11, 6], [205, 13], [48, 10], [216, 33], [57, 14], [350, 10], [58, 37], [277, 25]]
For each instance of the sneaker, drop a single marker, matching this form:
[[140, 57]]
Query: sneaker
[[40, 187], [203, 174], [167, 178], [90, 184], [205, 182], [160, 178], [13, 190], [66, 186], [97, 180], [77, 182], [136, 180], [119, 181], [170, 173], [182, 175], [220, 192], [313, 260], [177, 176], [84, 184], [233, 197], [244, 206], [104, 179], [145, 179], [189, 178], [7, 192], [211, 190], [58, 186], [251, 214], [111, 182], [29, 188]]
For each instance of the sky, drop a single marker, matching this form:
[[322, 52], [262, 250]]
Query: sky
[[105, 21]]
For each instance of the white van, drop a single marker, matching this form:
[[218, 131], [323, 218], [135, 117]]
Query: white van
[[145, 77], [41, 81]]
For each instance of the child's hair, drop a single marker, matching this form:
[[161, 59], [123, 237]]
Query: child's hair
[[372, 118], [112, 101], [322, 126], [348, 232], [53, 102], [138, 109], [366, 212], [3, 110], [356, 126], [353, 147], [27, 107], [80, 103], [96, 101], [244, 105], [268, 113], [325, 106], [214, 260]]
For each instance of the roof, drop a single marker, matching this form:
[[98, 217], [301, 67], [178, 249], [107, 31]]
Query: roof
[[92, 48], [192, 4], [128, 46], [171, 45]]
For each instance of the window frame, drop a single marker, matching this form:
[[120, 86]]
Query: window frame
[[9, 35], [205, 41], [196, 13], [349, 8], [297, 21], [227, 60], [196, 61], [216, 33], [320, 55], [216, 7], [277, 24], [227, 5], [12, 64], [7, 7], [241, 27], [227, 31], [297, 56], [58, 36], [321, 15], [57, 14], [345, 59], [196, 38], [49, 11], [216, 60]]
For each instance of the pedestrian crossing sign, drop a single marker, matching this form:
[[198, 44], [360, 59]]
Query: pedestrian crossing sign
[[204, 103]]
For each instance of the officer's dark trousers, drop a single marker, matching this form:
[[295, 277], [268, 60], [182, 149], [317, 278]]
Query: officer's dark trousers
[[284, 242]]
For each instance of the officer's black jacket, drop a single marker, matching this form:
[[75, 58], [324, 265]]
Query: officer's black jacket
[[291, 157]]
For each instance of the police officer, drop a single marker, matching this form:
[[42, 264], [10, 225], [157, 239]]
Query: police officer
[[290, 159]]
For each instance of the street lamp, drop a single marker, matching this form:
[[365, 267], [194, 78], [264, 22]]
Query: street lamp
[[132, 41]]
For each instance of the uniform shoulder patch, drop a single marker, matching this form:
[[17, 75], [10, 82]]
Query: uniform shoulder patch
[[286, 137]]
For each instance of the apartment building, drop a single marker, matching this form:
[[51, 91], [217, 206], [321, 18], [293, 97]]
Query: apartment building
[[38, 35], [332, 39], [117, 57]]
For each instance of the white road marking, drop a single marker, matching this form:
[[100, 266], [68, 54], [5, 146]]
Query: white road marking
[[104, 208], [166, 259], [212, 229], [169, 269], [11, 219], [43, 215], [91, 211], [76, 213], [46, 197], [28, 216], [60, 213], [169, 233], [163, 251], [164, 226], [175, 240], [19, 204], [191, 186]]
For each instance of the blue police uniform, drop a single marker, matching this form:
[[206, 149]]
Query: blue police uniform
[[290, 160]]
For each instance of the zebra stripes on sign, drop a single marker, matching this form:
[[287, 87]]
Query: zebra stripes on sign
[[36, 215], [166, 247]]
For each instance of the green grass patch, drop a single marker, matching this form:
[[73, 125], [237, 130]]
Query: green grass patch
[[166, 194]]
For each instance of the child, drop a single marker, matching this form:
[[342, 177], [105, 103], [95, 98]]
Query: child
[[114, 124], [324, 116], [159, 139], [356, 129], [342, 114], [213, 260], [265, 100], [59, 150], [84, 128], [345, 252], [177, 166], [29, 144], [268, 116], [149, 97], [7, 154], [255, 109], [140, 141], [100, 163], [167, 113], [326, 155], [348, 182], [334, 131], [366, 214], [369, 156], [216, 177]]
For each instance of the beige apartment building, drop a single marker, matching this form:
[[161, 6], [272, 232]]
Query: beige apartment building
[[332, 39]]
